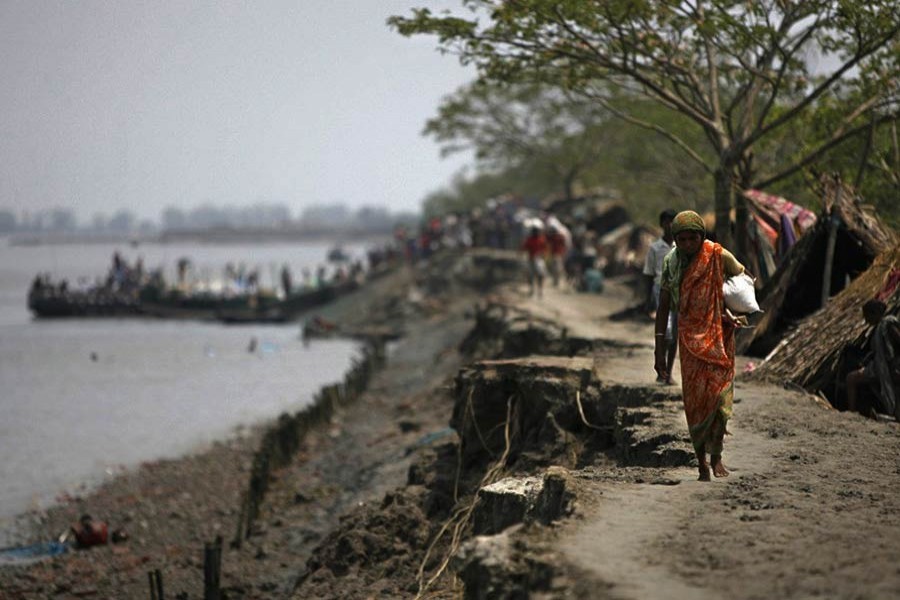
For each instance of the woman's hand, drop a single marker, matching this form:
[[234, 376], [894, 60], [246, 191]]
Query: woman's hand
[[732, 320], [659, 359]]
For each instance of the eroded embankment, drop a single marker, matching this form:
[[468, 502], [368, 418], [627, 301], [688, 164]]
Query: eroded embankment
[[532, 423]]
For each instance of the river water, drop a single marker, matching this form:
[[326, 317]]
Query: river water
[[83, 398]]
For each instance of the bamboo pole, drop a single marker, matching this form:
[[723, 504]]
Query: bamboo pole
[[829, 250]]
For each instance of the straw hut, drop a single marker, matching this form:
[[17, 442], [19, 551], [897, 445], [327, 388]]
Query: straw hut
[[829, 344], [625, 248], [597, 213], [841, 245]]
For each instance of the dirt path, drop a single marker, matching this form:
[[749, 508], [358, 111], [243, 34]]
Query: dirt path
[[811, 509], [626, 530]]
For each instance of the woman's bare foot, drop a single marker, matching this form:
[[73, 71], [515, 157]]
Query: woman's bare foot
[[704, 470], [718, 467]]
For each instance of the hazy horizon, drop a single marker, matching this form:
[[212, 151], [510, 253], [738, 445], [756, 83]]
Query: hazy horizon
[[140, 106]]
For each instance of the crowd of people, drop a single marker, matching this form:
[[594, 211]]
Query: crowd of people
[[566, 256], [122, 283]]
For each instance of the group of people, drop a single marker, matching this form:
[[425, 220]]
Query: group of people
[[546, 253], [685, 273], [122, 281]]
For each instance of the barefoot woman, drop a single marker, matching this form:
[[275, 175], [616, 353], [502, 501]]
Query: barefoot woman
[[692, 278]]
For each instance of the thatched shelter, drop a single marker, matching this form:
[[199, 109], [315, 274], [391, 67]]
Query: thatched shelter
[[625, 248], [795, 289], [828, 344], [600, 213]]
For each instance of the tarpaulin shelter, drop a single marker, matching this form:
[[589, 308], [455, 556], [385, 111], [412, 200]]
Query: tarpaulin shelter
[[775, 226], [841, 244]]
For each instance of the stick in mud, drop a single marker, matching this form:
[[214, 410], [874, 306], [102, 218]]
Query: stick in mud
[[156, 585], [212, 570]]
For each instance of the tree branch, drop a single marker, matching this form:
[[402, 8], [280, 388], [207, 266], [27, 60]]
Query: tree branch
[[825, 147], [654, 127], [819, 90]]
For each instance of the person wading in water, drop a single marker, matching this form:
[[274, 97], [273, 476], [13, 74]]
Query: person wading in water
[[693, 273]]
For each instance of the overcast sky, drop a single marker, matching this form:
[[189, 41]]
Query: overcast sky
[[131, 104]]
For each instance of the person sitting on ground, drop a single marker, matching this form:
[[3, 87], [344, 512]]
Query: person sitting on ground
[[593, 279], [89, 532], [882, 368], [535, 245]]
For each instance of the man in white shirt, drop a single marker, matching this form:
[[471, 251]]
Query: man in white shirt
[[653, 274]]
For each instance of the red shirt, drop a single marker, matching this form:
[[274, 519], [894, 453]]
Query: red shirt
[[557, 244], [535, 245]]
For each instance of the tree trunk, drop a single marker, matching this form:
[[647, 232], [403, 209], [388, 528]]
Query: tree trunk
[[723, 189], [569, 184], [742, 232], [742, 217]]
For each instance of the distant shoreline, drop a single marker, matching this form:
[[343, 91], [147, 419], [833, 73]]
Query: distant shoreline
[[205, 236]]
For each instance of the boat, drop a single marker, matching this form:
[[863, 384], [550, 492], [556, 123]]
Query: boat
[[337, 254], [50, 304], [288, 308]]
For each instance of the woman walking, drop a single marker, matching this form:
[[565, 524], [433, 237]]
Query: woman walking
[[693, 273]]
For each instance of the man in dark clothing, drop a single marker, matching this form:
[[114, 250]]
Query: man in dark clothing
[[882, 367]]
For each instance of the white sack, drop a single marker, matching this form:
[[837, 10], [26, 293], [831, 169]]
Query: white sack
[[740, 295]]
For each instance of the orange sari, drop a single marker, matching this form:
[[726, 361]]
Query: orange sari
[[707, 350]]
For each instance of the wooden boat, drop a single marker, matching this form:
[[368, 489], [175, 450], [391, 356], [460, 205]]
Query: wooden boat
[[337, 254], [81, 304], [288, 308], [175, 304]]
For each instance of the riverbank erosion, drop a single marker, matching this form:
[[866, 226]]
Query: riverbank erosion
[[571, 474], [511, 447]]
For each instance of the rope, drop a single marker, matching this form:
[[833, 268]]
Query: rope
[[462, 515], [584, 419]]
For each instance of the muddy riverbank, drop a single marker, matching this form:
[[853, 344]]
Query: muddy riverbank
[[171, 508]]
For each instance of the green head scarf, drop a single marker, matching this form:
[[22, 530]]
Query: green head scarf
[[675, 262], [688, 220]]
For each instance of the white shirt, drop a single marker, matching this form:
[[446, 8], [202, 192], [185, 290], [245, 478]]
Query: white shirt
[[654, 262]]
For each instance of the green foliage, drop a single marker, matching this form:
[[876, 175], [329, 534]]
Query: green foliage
[[513, 124], [739, 71], [649, 174]]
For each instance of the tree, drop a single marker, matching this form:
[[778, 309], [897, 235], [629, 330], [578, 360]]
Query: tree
[[739, 70], [507, 125], [63, 219], [468, 191], [373, 218], [7, 221], [122, 221], [870, 161], [325, 215], [173, 218], [99, 222]]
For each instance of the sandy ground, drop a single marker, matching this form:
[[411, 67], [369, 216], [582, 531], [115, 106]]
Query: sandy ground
[[811, 508]]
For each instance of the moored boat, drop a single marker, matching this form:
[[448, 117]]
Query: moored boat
[[81, 304]]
